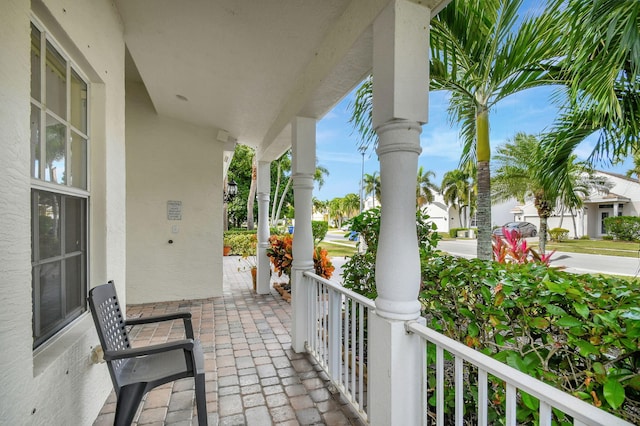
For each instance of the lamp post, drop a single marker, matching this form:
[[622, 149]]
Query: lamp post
[[229, 192]]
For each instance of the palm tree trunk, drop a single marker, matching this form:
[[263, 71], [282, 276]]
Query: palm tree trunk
[[284, 194], [252, 192], [275, 195], [575, 226], [483, 152], [543, 233], [484, 250]]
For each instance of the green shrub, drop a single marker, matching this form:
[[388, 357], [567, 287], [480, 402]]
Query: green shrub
[[625, 228], [319, 230], [359, 271], [453, 232], [579, 333], [558, 234], [585, 237], [241, 243], [234, 231], [607, 237]]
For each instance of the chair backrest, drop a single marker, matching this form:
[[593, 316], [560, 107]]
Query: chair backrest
[[110, 324]]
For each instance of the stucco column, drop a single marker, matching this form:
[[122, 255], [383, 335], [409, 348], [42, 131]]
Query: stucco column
[[264, 190], [303, 165], [400, 107]]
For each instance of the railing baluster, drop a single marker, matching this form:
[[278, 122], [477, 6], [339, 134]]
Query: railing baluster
[[511, 404], [313, 303], [352, 351], [345, 347], [459, 390], [425, 387], [361, 363], [439, 386], [334, 331], [545, 414], [327, 325], [482, 397]]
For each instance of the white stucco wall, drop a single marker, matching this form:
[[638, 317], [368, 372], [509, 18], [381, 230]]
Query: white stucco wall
[[57, 384], [172, 160]]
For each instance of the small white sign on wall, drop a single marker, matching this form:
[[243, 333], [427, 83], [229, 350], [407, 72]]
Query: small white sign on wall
[[174, 210]]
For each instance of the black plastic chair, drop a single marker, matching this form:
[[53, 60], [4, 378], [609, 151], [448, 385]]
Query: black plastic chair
[[135, 371]]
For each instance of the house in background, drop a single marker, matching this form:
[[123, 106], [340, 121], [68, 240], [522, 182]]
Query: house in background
[[611, 194]]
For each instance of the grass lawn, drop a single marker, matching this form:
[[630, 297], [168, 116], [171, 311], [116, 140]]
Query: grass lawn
[[339, 250], [608, 247]]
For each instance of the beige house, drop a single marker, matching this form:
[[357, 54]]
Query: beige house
[[118, 119], [610, 194], [117, 123]]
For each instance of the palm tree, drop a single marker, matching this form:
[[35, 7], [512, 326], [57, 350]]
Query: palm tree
[[335, 211], [457, 191], [351, 205], [284, 164], [636, 166], [424, 187], [482, 53], [372, 186], [517, 176], [601, 69]]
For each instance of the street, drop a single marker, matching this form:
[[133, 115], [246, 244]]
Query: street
[[574, 262]]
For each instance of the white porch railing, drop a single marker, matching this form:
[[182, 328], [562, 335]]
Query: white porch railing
[[548, 397], [337, 337]]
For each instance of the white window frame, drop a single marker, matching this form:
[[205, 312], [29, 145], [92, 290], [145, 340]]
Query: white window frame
[[64, 189]]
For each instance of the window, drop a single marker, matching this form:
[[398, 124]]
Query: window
[[59, 188]]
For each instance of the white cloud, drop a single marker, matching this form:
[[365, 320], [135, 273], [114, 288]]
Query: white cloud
[[441, 142], [327, 157]]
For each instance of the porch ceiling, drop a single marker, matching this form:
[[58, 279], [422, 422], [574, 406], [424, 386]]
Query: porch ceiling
[[249, 66]]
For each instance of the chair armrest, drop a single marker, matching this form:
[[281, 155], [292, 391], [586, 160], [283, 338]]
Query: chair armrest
[[186, 344], [185, 316]]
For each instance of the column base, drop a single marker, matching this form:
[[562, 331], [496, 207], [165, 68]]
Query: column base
[[395, 310], [397, 363]]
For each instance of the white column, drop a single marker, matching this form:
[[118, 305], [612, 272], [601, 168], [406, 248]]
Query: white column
[[264, 190], [400, 107], [303, 165]]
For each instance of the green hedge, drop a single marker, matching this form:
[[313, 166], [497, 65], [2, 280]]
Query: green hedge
[[241, 243], [558, 234], [580, 333], [625, 228]]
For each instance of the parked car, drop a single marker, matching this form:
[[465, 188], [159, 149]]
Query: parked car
[[526, 229]]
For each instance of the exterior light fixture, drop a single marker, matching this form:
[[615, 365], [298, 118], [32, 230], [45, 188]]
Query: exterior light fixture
[[230, 191]]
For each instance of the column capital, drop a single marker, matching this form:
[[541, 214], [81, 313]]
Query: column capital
[[398, 143], [303, 181]]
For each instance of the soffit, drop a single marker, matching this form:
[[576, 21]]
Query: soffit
[[249, 66]]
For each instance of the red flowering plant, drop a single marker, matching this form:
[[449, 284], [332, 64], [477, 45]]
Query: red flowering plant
[[281, 256], [512, 248]]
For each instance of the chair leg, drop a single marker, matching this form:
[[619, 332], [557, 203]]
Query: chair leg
[[128, 401], [201, 400]]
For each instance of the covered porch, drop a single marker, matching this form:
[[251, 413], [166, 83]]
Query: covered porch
[[253, 375]]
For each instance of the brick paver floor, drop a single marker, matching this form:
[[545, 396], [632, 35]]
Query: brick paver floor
[[253, 377]]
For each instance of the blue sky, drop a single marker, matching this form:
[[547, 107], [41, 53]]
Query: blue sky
[[531, 111]]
